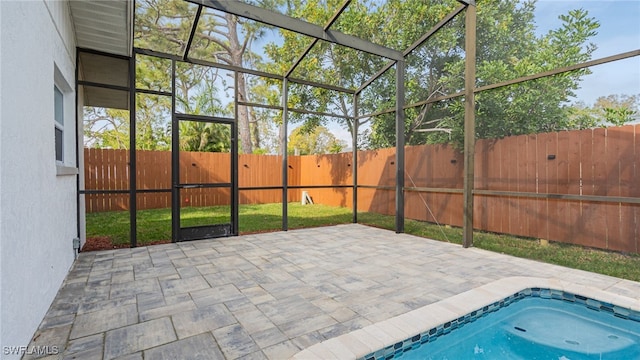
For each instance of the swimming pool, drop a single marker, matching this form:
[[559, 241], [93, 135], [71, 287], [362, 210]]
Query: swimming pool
[[433, 323], [529, 325]]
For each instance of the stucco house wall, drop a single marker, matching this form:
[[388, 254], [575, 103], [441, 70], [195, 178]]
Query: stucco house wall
[[37, 194]]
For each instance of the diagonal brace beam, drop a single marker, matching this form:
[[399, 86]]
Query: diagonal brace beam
[[264, 16], [192, 33], [413, 46]]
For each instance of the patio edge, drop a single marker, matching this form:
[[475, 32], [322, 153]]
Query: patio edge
[[361, 342]]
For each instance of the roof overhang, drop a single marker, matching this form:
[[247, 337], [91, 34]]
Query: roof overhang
[[104, 25], [104, 33], [104, 79]]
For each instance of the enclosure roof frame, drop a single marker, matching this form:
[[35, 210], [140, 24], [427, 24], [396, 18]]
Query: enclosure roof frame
[[192, 32], [316, 32], [268, 75], [302, 27], [416, 44], [302, 56]]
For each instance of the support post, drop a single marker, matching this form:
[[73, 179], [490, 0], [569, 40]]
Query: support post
[[469, 123], [79, 217], [285, 158], [133, 228], [235, 191], [400, 146], [354, 160], [175, 160]]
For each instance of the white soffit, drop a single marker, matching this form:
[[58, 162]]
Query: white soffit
[[109, 74], [103, 25]]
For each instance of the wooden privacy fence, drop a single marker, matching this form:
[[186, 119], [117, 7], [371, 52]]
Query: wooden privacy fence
[[108, 171], [551, 186], [513, 177]]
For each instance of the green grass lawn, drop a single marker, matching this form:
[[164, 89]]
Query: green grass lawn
[[155, 225]]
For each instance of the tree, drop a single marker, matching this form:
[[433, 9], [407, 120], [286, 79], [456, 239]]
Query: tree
[[195, 94], [425, 66], [109, 128], [326, 63], [507, 48], [198, 96], [613, 110], [106, 128], [164, 25], [318, 140], [266, 122], [204, 137]]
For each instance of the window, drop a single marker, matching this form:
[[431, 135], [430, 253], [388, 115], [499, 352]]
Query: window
[[59, 123], [63, 125]]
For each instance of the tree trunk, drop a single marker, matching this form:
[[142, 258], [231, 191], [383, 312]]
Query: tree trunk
[[244, 130], [282, 137], [256, 130]]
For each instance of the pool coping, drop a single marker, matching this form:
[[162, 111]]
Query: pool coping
[[361, 342]]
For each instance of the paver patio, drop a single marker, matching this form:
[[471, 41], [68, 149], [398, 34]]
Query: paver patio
[[266, 296]]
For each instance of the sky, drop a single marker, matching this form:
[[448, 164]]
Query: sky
[[619, 32]]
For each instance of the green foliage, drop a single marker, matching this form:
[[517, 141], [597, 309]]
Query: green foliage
[[618, 116], [326, 63], [581, 117], [539, 105], [618, 110], [201, 136], [153, 121], [106, 128], [198, 96], [615, 110], [317, 140], [110, 128], [165, 25], [507, 48]]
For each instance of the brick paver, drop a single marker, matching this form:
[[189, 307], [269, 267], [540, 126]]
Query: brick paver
[[266, 296]]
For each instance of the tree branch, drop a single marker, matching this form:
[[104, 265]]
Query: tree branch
[[216, 41]]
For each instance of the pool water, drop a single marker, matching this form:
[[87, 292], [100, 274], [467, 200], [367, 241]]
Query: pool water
[[535, 328]]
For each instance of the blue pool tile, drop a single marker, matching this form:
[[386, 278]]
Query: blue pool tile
[[433, 334]]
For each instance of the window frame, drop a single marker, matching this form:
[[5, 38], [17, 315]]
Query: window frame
[[58, 120], [64, 110]]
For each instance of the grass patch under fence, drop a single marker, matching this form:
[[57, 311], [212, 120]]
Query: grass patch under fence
[[154, 225]]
